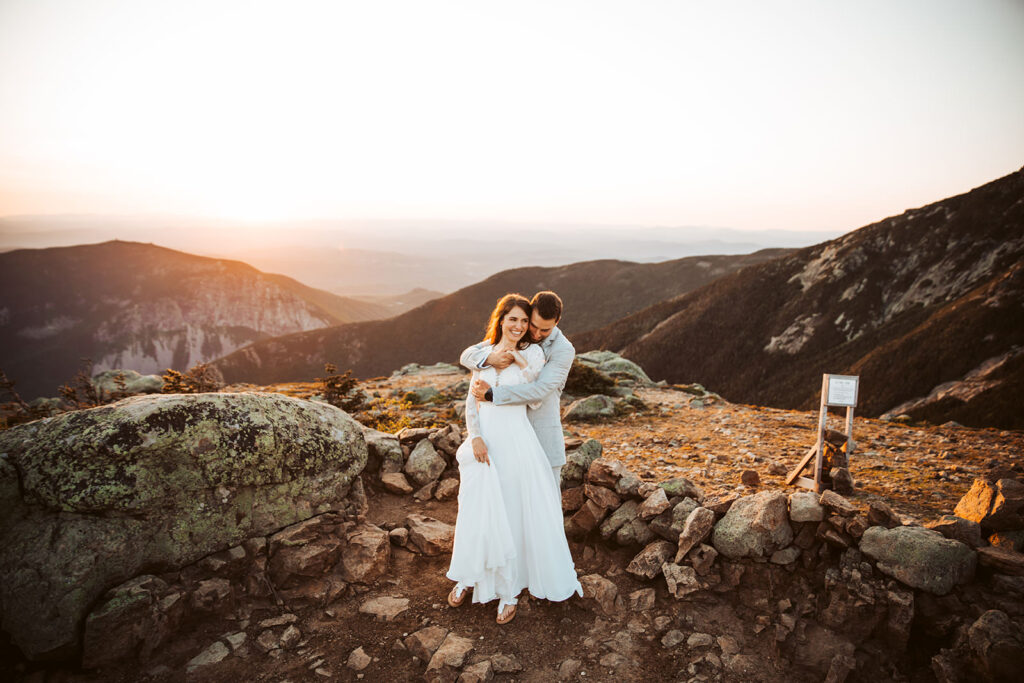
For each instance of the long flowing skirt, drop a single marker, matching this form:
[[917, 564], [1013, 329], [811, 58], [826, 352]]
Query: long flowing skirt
[[509, 533]]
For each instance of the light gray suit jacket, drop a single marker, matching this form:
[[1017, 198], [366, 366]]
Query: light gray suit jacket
[[546, 389]]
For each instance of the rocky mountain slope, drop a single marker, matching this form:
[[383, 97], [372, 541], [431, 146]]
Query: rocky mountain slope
[[596, 293], [143, 307], [927, 307]]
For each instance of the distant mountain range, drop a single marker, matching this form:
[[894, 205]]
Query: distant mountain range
[[144, 307], [926, 307], [381, 257], [595, 292]]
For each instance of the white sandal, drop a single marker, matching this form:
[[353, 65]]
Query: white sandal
[[502, 617]]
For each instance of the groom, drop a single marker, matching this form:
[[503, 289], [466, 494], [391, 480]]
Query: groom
[[546, 389]]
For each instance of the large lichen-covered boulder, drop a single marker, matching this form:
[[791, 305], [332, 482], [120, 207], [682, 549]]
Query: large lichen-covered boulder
[[591, 408], [754, 526], [920, 557], [91, 498]]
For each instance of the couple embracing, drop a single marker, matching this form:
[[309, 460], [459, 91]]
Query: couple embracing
[[509, 533]]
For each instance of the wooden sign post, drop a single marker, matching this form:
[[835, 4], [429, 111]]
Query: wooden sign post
[[836, 391]]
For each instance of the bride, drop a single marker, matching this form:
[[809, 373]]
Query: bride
[[509, 533]]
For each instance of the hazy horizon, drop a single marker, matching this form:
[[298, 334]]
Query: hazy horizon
[[796, 115]]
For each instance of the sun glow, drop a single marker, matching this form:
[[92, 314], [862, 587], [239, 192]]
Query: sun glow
[[653, 112]]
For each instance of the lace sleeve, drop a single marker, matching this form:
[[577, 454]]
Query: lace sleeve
[[472, 413], [534, 362]]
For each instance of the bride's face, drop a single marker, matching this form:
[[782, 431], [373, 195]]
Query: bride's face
[[515, 324]]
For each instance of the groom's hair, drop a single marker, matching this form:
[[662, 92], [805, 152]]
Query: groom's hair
[[547, 305]]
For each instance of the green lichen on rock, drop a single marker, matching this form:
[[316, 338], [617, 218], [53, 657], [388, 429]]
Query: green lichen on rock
[[92, 497]]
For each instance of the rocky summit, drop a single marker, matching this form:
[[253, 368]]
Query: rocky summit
[[247, 534]]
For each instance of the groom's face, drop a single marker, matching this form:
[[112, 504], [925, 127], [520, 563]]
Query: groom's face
[[540, 327]]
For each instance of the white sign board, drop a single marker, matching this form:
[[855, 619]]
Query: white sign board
[[842, 390]]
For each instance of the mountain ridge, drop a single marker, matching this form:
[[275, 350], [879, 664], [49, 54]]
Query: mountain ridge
[[910, 303]]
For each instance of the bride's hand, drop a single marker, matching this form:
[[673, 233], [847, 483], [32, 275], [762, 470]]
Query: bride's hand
[[480, 451], [518, 358]]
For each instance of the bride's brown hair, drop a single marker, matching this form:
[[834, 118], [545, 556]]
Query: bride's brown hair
[[504, 305]]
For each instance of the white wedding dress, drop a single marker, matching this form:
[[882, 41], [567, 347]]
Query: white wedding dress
[[509, 533]]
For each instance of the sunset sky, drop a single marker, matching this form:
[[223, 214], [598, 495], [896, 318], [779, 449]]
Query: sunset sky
[[753, 115]]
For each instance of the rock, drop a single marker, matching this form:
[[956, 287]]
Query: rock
[[837, 504], [682, 488], [216, 652], [395, 482], [305, 550], [477, 673], [589, 516], [605, 473], [578, 462], [156, 465], [699, 640], [506, 664], [409, 436], [880, 514], [430, 536], [424, 643], [750, 478], [281, 620], [1008, 540], [998, 645], [573, 499], [634, 533], [614, 365], [629, 511], [804, 507], [424, 465], [105, 382], [655, 504], [899, 616], [451, 653], [1002, 560], [384, 608], [358, 659], [641, 600], [367, 553], [447, 489], [589, 409], [384, 450], [720, 504], [785, 556], [840, 666], [842, 480], [435, 369], [672, 639], [399, 536], [681, 580], [603, 497], [290, 638], [754, 526], [267, 641], [212, 595], [420, 395], [919, 557], [995, 506], [959, 529], [629, 485], [697, 527], [702, 558], [128, 620], [426, 492], [569, 669], [602, 590], [648, 561]]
